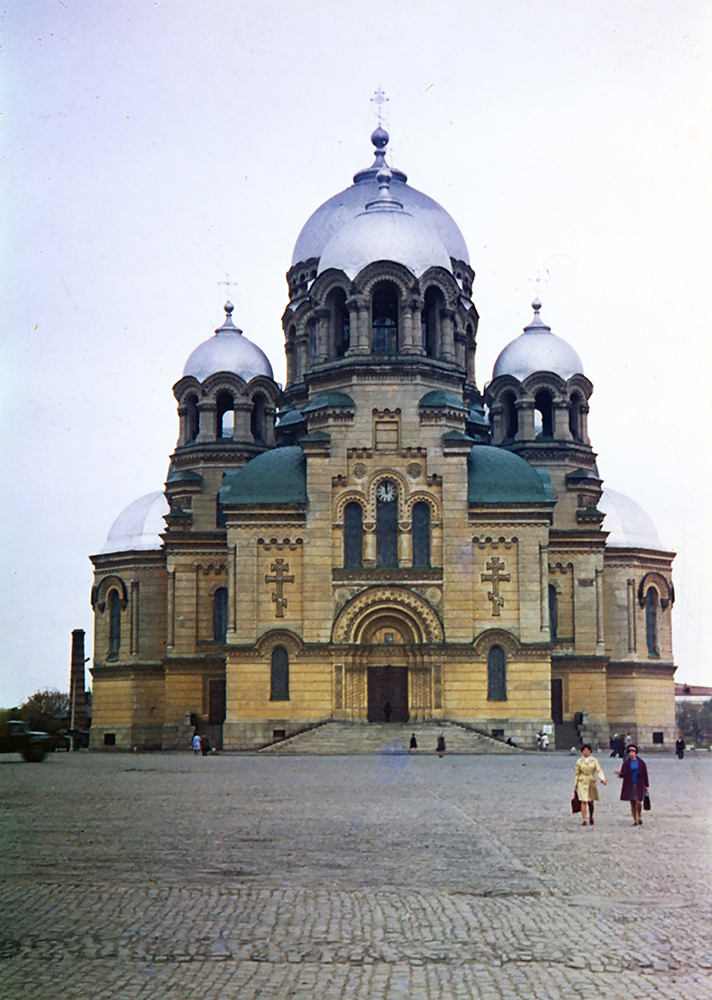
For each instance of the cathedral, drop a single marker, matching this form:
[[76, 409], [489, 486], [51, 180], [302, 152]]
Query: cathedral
[[380, 539]]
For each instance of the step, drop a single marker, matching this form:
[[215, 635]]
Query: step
[[381, 737]]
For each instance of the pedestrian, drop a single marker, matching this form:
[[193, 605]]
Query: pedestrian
[[544, 741], [510, 742], [614, 745], [587, 771], [627, 742], [204, 745], [680, 748], [413, 742], [196, 744], [635, 783], [441, 744], [387, 711]]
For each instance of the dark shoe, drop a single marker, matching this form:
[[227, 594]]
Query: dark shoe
[[640, 822], [591, 821]]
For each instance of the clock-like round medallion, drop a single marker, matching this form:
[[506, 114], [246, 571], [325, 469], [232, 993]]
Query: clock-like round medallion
[[386, 491]]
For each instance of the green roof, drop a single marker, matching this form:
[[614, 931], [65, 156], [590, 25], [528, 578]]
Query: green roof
[[275, 477], [583, 474], [186, 476], [327, 399], [498, 476], [440, 398], [288, 417]]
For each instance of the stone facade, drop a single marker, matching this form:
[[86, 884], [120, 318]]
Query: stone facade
[[366, 539]]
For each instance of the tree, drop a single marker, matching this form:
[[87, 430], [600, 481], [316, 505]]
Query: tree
[[47, 711], [695, 720]]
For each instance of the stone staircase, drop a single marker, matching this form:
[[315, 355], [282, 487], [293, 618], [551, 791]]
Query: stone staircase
[[387, 738]]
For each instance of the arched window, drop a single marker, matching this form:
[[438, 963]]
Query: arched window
[[313, 346], [543, 414], [553, 612], [225, 413], [511, 417], [258, 422], [341, 326], [431, 321], [114, 625], [575, 417], [220, 614], [353, 535], [279, 678], [496, 674], [192, 421], [651, 622], [384, 320], [387, 524], [421, 534]]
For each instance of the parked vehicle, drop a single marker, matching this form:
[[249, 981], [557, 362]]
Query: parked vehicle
[[15, 737]]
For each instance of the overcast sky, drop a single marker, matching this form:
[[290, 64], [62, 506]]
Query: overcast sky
[[152, 148]]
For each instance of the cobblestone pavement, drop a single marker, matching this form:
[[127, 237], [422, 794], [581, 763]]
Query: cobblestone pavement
[[169, 876]]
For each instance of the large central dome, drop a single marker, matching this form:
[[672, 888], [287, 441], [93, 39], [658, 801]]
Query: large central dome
[[419, 230]]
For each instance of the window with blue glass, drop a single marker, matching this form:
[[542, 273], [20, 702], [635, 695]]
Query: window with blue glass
[[220, 614], [421, 534], [496, 674], [279, 680], [353, 535]]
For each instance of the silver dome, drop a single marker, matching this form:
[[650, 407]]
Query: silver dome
[[228, 351], [343, 208], [383, 230], [538, 350], [628, 525], [138, 527]]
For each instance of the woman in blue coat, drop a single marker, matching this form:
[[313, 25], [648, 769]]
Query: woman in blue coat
[[635, 783]]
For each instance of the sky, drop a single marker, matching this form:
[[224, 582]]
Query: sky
[[154, 150]]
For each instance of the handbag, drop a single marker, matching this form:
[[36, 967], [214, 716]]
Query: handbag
[[575, 803], [646, 802]]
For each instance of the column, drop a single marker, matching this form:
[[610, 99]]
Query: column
[[208, 430], [447, 333]]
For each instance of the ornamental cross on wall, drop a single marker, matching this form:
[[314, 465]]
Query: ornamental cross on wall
[[280, 568], [494, 577]]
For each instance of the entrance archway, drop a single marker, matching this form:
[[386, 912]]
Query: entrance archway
[[387, 694]]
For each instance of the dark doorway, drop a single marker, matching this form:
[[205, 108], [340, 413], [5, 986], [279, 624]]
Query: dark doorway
[[557, 700], [387, 686]]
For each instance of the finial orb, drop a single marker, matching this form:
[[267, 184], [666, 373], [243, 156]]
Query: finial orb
[[379, 138], [536, 305], [229, 307]]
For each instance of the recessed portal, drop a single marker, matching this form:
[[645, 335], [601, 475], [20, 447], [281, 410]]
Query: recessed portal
[[387, 689]]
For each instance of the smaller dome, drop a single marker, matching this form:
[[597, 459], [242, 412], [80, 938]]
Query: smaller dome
[[538, 350], [627, 524], [138, 527], [228, 351]]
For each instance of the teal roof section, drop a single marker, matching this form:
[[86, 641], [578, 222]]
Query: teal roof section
[[498, 476], [548, 485], [582, 474], [185, 476], [326, 400], [289, 417], [477, 416], [275, 477], [440, 398]]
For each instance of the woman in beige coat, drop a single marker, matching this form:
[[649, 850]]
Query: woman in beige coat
[[587, 770]]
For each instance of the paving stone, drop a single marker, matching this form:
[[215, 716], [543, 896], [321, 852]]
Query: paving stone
[[369, 876]]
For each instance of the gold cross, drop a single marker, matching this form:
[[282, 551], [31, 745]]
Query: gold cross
[[280, 568], [494, 577]]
